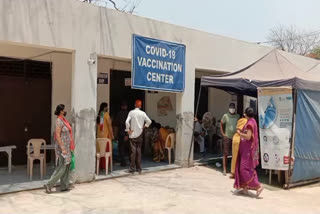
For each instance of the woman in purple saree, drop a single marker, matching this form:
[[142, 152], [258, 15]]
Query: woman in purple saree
[[246, 177]]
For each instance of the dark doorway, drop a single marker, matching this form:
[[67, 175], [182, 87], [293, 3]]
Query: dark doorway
[[25, 93], [203, 105], [119, 91]]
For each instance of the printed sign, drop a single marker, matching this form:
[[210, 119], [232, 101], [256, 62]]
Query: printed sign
[[275, 126], [164, 106], [158, 65], [103, 78]]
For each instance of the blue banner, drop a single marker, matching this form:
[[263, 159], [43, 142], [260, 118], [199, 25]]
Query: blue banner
[[307, 141], [158, 65]]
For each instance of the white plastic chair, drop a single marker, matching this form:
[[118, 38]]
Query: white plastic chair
[[102, 145], [170, 138], [35, 154]]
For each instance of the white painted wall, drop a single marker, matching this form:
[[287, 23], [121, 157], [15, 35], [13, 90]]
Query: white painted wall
[[151, 109], [61, 84], [104, 66], [219, 101]]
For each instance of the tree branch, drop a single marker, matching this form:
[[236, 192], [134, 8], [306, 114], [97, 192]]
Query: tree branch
[[292, 40], [114, 5]]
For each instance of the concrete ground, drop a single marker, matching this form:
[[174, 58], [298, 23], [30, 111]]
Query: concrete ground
[[194, 190], [19, 180]]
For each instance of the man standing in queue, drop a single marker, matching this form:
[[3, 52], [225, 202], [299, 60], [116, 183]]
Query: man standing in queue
[[137, 120], [228, 129], [123, 137]]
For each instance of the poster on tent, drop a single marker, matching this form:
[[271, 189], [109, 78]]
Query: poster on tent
[[275, 108]]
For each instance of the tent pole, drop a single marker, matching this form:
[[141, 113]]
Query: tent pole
[[192, 138], [293, 134]]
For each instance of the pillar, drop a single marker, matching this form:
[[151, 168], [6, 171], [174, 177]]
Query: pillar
[[84, 98], [185, 117]]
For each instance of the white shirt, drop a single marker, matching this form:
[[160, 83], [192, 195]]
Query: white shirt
[[136, 121]]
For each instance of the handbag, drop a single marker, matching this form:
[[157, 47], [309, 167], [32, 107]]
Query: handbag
[[72, 164]]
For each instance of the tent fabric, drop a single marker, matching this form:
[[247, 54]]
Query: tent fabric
[[314, 69], [307, 140], [272, 70]]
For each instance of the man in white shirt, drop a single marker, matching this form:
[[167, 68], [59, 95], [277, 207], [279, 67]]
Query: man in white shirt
[[137, 120]]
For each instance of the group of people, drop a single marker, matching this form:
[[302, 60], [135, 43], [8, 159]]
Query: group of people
[[206, 131], [131, 125], [155, 140], [239, 138], [241, 134]]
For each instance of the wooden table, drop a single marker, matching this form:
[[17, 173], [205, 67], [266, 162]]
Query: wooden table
[[8, 150]]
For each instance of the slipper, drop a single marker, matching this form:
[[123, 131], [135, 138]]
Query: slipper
[[259, 191], [47, 189]]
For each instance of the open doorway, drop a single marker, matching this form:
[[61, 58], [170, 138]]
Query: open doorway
[[120, 90], [25, 91], [115, 89]]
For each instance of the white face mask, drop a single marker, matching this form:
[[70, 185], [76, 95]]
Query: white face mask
[[232, 110]]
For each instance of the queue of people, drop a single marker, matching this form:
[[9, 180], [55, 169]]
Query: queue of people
[[134, 131], [239, 136]]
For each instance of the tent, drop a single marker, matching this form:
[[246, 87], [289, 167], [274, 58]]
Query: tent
[[276, 70], [272, 70]]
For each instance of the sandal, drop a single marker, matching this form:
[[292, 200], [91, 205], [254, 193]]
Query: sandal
[[47, 189], [259, 191]]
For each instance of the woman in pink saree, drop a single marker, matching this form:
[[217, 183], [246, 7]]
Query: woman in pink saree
[[246, 177]]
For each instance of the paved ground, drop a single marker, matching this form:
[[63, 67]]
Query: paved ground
[[193, 190], [19, 180]]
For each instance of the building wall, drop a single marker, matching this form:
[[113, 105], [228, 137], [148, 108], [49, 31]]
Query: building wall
[[91, 30], [61, 84], [104, 66], [219, 101], [152, 108]]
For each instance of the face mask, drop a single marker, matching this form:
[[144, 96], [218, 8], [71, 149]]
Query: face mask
[[232, 110]]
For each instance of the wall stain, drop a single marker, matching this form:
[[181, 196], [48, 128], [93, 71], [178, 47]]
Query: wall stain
[[85, 138]]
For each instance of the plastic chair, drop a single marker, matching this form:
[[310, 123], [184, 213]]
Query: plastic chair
[[102, 144], [35, 154], [170, 146]]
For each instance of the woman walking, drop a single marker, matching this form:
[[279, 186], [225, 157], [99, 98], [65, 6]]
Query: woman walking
[[235, 145], [246, 177], [64, 146]]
